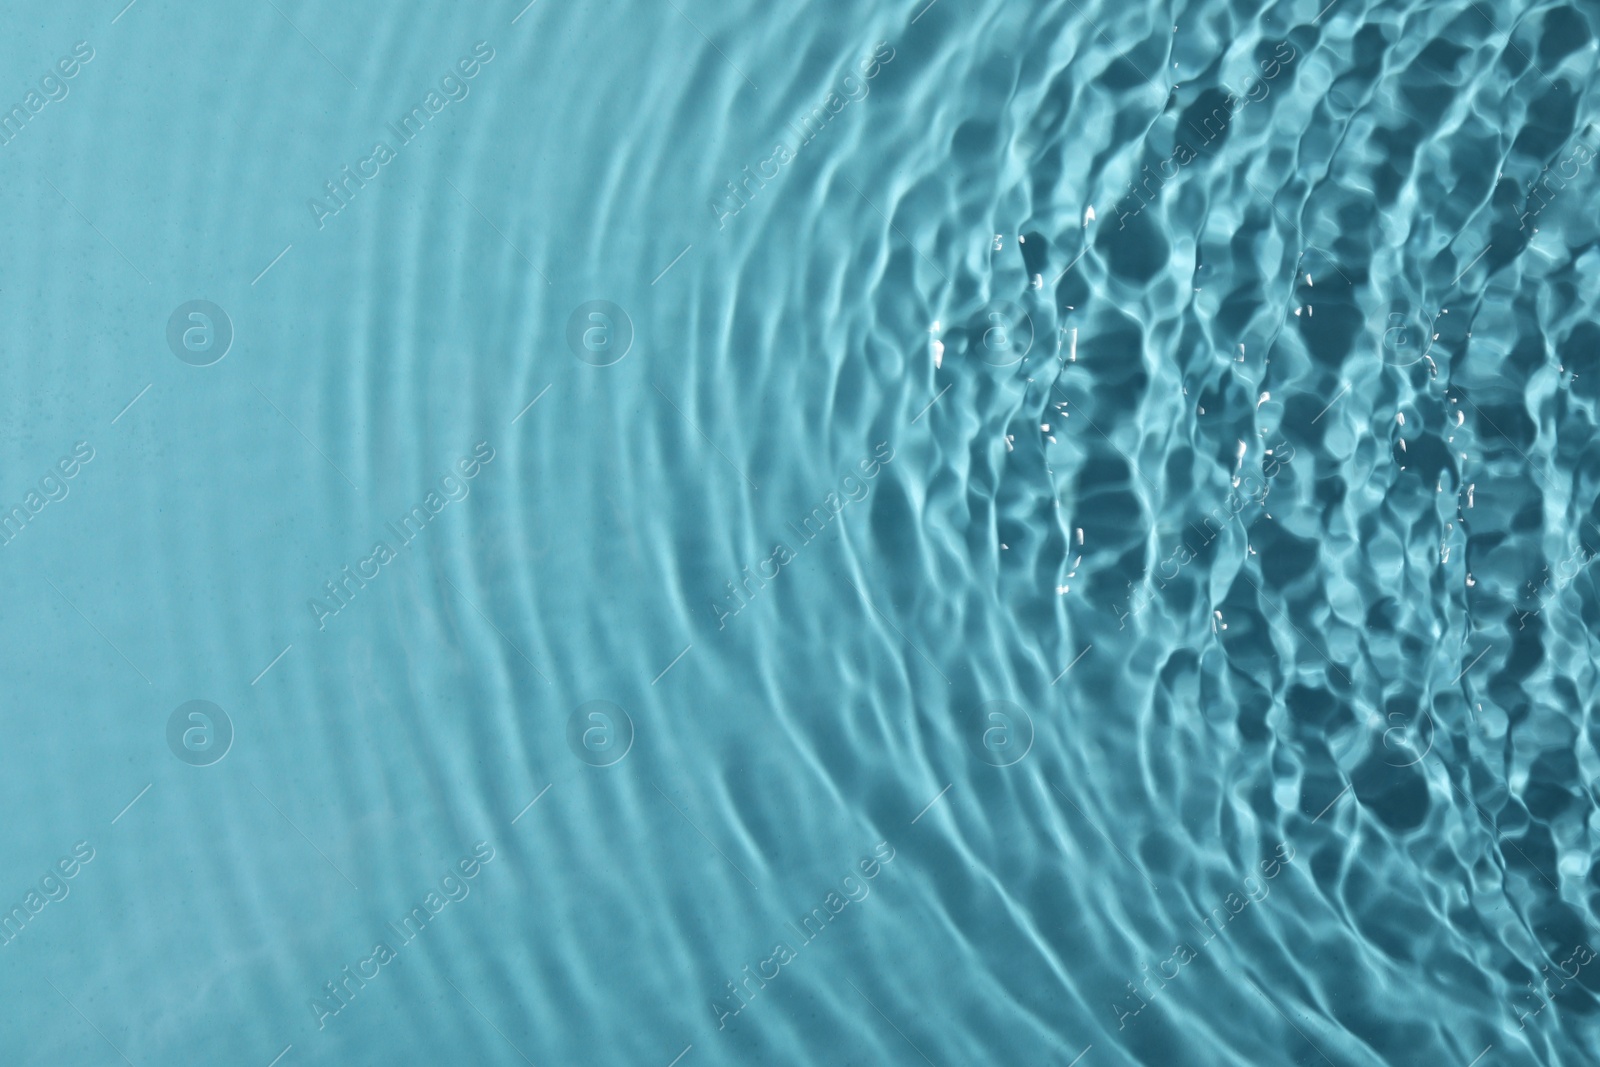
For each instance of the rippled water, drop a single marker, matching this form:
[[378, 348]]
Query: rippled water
[[687, 534]]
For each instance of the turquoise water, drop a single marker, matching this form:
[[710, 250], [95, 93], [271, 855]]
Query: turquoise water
[[693, 534]]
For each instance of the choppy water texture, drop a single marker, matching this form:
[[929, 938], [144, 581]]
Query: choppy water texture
[[692, 533]]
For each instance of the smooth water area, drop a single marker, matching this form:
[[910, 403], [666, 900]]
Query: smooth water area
[[688, 534]]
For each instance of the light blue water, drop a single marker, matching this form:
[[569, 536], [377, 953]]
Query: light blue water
[[721, 534]]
